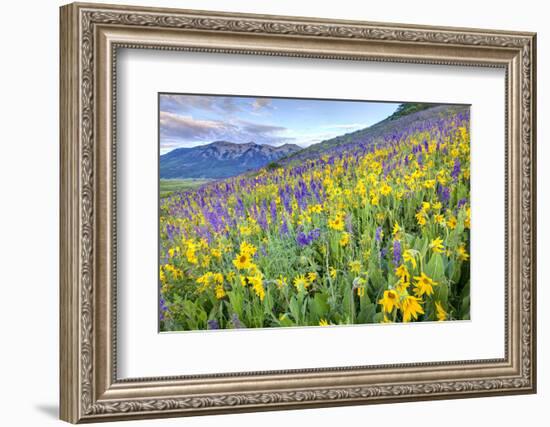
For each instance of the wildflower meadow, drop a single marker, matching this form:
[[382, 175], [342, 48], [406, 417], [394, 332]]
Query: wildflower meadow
[[372, 231]]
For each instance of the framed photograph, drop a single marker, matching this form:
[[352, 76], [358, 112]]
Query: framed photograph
[[267, 212]]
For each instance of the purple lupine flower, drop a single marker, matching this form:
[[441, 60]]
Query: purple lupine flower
[[262, 219], [302, 239], [213, 324], [462, 202], [378, 235], [396, 251], [444, 193], [273, 208], [163, 308], [456, 170], [314, 234], [284, 227], [383, 252]]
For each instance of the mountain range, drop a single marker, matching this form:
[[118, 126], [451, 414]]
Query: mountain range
[[220, 159]]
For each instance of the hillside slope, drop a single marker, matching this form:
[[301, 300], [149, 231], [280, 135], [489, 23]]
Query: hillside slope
[[386, 129]]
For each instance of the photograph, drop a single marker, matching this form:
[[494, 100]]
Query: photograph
[[296, 212]]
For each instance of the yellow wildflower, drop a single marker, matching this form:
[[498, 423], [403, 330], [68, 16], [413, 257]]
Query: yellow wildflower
[[344, 240], [462, 253], [396, 228], [389, 301], [243, 261], [311, 277], [257, 284], [220, 291], [332, 272], [245, 230], [423, 285], [281, 282], [323, 322], [421, 218], [300, 282], [403, 273], [385, 189], [316, 208], [190, 253], [216, 253], [337, 223], [173, 251], [440, 312], [437, 245], [218, 278], [411, 308], [429, 183], [355, 266], [408, 256], [451, 222], [247, 248]]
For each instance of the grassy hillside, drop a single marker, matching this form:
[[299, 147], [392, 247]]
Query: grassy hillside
[[170, 186], [409, 116]]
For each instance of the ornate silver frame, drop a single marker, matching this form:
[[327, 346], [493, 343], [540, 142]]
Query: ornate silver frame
[[90, 36]]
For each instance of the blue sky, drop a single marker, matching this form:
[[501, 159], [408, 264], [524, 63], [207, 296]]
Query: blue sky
[[191, 120]]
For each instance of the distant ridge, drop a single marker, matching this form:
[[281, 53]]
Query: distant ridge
[[220, 159]]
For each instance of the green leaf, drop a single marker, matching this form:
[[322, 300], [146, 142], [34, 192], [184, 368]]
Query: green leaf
[[295, 309], [435, 268], [319, 305]]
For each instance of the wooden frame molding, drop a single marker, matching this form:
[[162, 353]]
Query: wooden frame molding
[[90, 37]]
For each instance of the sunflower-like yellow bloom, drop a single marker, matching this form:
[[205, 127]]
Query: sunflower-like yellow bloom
[[300, 282], [408, 256], [411, 308], [344, 240], [462, 253], [423, 285], [337, 223], [323, 322], [385, 189], [451, 222], [243, 261], [311, 277], [437, 245], [403, 273], [421, 217], [220, 291], [247, 248], [389, 301], [396, 228], [258, 286]]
